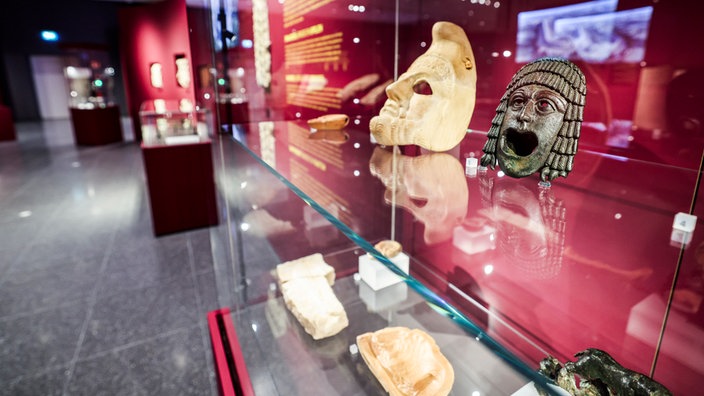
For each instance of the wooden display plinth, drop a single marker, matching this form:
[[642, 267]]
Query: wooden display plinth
[[98, 126], [181, 186]]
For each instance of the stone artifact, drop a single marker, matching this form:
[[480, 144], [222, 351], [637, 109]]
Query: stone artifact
[[306, 267], [537, 123], [406, 362], [432, 102], [305, 286], [329, 122], [600, 375]]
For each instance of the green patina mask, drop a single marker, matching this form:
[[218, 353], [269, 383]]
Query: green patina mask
[[537, 122]]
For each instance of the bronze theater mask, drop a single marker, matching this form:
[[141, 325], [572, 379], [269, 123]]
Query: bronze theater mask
[[432, 102], [537, 123]]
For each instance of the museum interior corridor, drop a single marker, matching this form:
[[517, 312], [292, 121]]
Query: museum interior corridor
[[91, 302]]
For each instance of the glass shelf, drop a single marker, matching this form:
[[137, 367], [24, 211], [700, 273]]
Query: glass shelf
[[273, 225]]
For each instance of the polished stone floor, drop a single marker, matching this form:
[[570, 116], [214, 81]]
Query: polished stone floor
[[91, 303]]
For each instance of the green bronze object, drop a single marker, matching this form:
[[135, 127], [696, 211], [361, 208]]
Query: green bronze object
[[599, 375], [537, 123]]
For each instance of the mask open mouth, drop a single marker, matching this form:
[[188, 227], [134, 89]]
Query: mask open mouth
[[521, 143]]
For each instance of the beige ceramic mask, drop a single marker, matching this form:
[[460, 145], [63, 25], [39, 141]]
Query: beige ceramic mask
[[431, 104]]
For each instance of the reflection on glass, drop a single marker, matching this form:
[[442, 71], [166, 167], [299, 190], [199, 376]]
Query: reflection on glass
[[529, 224], [89, 86], [263, 224], [431, 186], [591, 31], [330, 136], [267, 142]]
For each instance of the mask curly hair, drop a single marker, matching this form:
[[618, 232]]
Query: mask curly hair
[[561, 76]]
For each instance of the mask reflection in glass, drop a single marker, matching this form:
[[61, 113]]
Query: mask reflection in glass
[[432, 187]]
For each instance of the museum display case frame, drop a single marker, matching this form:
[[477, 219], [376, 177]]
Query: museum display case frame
[[608, 266]]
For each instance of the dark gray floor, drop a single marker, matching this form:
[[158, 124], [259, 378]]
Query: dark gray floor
[[91, 303]]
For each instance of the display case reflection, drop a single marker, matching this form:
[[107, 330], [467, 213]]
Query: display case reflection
[[90, 87], [173, 122]]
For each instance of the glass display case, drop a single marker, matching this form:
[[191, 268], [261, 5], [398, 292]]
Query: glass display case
[[167, 122], [90, 88], [94, 115], [503, 272]]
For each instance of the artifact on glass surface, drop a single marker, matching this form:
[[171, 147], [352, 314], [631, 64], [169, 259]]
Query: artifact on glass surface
[[406, 362], [537, 123], [432, 102], [600, 375], [377, 275], [306, 267], [388, 248], [306, 288], [329, 122]]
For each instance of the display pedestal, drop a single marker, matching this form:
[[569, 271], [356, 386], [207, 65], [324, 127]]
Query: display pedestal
[[376, 275], [98, 126], [386, 298], [7, 127], [181, 186]]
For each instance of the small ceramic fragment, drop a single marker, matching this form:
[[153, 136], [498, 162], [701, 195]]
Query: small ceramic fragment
[[388, 248], [406, 362], [329, 121]]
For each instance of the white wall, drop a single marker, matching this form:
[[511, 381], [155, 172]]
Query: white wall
[[51, 86]]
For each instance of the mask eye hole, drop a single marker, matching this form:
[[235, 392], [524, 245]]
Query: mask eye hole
[[422, 88]]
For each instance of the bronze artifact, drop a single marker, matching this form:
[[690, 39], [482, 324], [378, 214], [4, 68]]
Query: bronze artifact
[[537, 123], [600, 375]]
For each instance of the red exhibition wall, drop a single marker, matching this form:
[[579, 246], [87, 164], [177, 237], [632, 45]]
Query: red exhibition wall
[[153, 33]]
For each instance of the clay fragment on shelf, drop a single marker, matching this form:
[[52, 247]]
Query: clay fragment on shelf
[[388, 248], [407, 362]]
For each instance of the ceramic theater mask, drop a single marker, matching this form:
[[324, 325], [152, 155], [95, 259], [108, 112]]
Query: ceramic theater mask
[[432, 102], [537, 123]]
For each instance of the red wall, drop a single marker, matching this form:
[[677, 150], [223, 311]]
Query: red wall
[[153, 33]]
